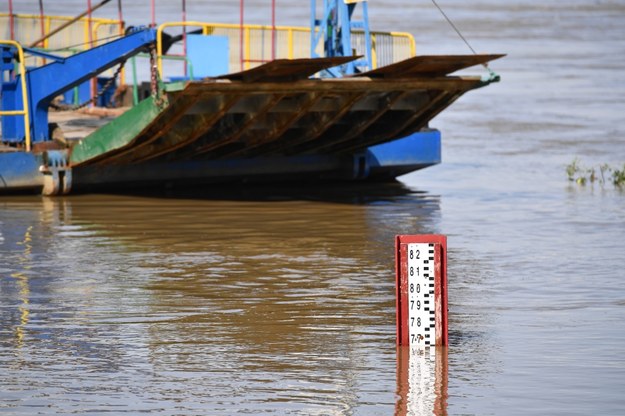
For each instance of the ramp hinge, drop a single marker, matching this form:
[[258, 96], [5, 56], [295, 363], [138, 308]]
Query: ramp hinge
[[57, 173]]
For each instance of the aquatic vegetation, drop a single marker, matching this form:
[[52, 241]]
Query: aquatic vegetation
[[601, 174], [618, 177]]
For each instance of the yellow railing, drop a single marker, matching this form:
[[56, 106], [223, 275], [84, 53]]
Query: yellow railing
[[389, 47], [23, 112], [251, 45], [290, 42], [78, 36], [84, 34]]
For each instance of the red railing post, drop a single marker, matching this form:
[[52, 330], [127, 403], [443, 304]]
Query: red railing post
[[42, 21], [241, 55], [11, 20], [273, 30]]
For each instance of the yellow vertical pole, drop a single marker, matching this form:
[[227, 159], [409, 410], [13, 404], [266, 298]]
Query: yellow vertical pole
[[27, 137], [374, 54], [159, 49], [247, 48], [48, 25]]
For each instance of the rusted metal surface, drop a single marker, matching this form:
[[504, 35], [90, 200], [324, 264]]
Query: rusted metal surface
[[429, 65], [276, 109], [286, 70]]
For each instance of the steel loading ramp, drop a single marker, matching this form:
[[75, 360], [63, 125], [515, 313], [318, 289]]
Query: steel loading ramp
[[276, 109]]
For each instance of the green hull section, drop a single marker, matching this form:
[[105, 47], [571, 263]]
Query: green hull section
[[117, 134]]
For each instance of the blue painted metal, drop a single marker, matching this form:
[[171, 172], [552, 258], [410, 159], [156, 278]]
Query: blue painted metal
[[418, 148], [417, 151], [43, 54], [335, 29], [208, 55], [46, 82], [20, 170], [82, 93], [7, 68]]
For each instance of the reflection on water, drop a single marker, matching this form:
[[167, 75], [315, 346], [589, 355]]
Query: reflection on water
[[278, 302], [22, 282], [422, 381]]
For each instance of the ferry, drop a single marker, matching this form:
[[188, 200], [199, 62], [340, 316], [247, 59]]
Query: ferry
[[90, 103]]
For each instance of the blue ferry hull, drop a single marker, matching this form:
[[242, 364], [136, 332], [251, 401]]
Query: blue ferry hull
[[21, 171]]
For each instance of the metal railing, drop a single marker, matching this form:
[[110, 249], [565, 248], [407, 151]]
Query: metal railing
[[82, 35], [251, 45], [24, 112]]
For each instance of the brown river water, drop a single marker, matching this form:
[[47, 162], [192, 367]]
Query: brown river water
[[281, 301]]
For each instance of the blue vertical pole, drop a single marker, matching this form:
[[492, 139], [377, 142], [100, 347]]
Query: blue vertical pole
[[345, 12], [335, 27], [365, 18]]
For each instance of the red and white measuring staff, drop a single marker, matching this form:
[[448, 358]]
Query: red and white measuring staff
[[421, 273]]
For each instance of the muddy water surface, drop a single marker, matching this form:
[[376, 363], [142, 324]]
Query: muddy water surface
[[282, 301]]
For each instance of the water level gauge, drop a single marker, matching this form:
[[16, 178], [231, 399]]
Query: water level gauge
[[421, 290]]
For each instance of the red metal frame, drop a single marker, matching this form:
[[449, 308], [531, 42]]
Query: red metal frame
[[440, 285], [11, 20], [273, 30], [120, 17], [42, 20]]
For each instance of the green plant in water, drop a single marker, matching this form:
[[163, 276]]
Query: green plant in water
[[581, 175], [572, 169], [618, 177], [603, 169]]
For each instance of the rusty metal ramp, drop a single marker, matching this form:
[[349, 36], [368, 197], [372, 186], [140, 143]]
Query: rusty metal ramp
[[276, 109], [429, 66]]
